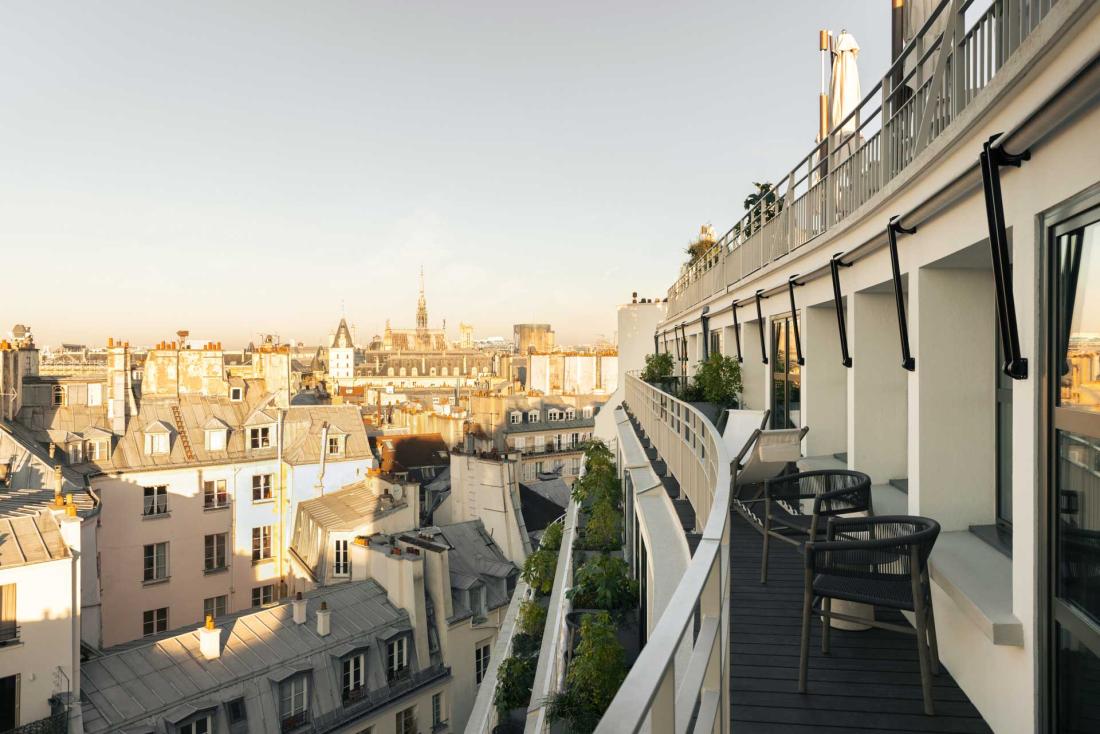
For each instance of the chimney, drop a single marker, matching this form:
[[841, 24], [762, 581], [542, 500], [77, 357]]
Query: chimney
[[299, 607], [210, 639], [57, 486], [323, 620]]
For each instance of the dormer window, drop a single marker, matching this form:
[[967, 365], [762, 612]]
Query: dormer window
[[76, 452], [336, 445], [587, 411], [97, 450], [353, 677], [553, 415], [157, 438], [236, 394], [259, 438], [516, 417], [532, 416], [397, 659], [478, 603], [571, 414], [57, 396], [215, 440]]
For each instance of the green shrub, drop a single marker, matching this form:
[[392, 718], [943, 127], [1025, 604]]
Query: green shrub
[[658, 367], [551, 539], [603, 530], [718, 380], [594, 676], [603, 582], [526, 646], [532, 618], [515, 677], [538, 570]]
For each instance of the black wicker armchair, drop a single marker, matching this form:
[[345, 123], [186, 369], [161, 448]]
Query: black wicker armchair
[[881, 561], [834, 492]]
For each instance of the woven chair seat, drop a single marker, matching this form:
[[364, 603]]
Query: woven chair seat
[[879, 592]]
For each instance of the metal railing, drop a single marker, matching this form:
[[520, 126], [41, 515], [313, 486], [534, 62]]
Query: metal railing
[[656, 692], [483, 716], [949, 61], [378, 698]]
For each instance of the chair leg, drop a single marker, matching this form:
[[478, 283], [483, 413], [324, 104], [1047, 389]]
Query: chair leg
[[919, 612], [826, 624], [933, 644], [807, 605], [767, 533]]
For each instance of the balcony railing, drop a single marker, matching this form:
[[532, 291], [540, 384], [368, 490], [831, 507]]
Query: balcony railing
[[368, 701], [948, 63], [656, 691]]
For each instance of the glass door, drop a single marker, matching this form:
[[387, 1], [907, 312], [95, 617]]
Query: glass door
[[786, 375], [1073, 472]]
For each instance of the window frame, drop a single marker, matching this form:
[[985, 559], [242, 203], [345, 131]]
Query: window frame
[[150, 567], [263, 491], [297, 717], [261, 544], [341, 560], [210, 606], [258, 593], [259, 438], [353, 677], [158, 494], [216, 489], [482, 654], [211, 552], [397, 658], [156, 619]]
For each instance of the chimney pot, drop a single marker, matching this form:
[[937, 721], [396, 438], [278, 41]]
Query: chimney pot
[[298, 606], [324, 620]]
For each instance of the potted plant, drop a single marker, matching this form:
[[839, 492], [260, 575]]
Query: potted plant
[[515, 677], [594, 676], [538, 570], [551, 537], [604, 529], [603, 582], [658, 368]]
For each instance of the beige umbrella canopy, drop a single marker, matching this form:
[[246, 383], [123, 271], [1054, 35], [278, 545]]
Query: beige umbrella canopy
[[844, 93]]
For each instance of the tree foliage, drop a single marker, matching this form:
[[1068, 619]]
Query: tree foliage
[[551, 538], [603, 529], [658, 367], [595, 674], [532, 618], [515, 677], [538, 570], [603, 582]]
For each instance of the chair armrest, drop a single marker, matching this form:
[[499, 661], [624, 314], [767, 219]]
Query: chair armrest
[[855, 499]]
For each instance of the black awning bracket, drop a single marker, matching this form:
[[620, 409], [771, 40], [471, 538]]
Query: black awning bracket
[[704, 322], [992, 159], [791, 283], [835, 264], [760, 317], [892, 230], [737, 332]]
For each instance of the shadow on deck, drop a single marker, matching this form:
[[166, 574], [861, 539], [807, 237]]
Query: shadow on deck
[[869, 682]]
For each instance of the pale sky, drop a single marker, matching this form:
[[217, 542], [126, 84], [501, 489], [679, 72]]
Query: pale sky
[[244, 167]]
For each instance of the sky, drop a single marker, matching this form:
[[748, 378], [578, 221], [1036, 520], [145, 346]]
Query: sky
[[264, 167]]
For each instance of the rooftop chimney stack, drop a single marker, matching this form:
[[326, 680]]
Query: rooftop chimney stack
[[323, 620], [299, 607], [210, 639]]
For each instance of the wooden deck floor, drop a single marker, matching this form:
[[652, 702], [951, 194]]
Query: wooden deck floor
[[869, 683]]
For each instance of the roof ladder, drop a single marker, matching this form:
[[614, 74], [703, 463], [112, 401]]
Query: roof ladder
[[178, 416]]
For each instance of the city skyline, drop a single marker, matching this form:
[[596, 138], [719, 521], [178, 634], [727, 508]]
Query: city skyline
[[246, 170]]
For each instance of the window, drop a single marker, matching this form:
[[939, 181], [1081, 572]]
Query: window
[[215, 439], [95, 394], [477, 602], [715, 343], [235, 713], [57, 396], [155, 500], [574, 466], [261, 487], [540, 443], [532, 416], [342, 565], [263, 595], [397, 658], [215, 552], [437, 709], [76, 453], [481, 661], [570, 414], [406, 721], [215, 606], [293, 702], [156, 562], [259, 438], [354, 677], [261, 543], [586, 411], [514, 418], [199, 725], [521, 443], [154, 621], [214, 494], [236, 394], [97, 450], [156, 443], [575, 440], [553, 415], [9, 626]]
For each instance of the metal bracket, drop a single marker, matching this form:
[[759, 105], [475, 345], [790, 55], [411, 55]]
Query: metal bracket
[[835, 264], [704, 322], [892, 229], [760, 318], [791, 283], [992, 159], [737, 331]]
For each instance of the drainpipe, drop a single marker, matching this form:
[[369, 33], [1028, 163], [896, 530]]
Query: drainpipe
[[324, 451], [282, 495], [70, 532]]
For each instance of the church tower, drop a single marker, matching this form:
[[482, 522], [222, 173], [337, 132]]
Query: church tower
[[341, 355], [421, 306]]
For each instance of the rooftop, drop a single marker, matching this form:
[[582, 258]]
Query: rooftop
[[27, 539]]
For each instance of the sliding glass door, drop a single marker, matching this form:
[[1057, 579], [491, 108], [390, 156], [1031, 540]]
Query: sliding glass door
[[786, 375], [1073, 472]]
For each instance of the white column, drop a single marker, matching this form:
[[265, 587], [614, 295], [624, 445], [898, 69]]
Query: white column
[[952, 448], [754, 374], [824, 383], [877, 387]]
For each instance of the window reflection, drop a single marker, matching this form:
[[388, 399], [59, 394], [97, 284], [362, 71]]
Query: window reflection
[[1079, 317], [1079, 521], [1079, 669]]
